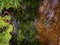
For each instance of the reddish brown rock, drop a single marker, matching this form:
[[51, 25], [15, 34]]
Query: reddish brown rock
[[48, 23]]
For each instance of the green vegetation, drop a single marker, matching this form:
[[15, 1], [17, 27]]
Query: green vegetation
[[24, 13], [8, 3], [5, 30]]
